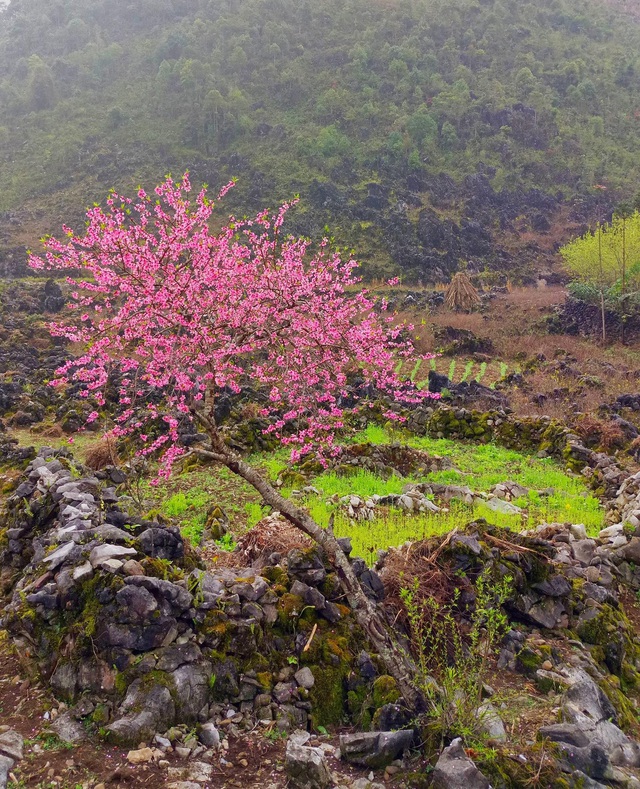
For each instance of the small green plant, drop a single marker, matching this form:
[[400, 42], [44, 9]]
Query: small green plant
[[467, 371], [255, 513], [176, 506], [457, 662], [226, 543], [275, 735], [49, 741], [452, 369], [482, 372]]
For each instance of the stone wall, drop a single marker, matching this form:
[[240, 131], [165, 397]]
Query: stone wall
[[121, 618]]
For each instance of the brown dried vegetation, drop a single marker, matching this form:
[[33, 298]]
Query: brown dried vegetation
[[103, 454]]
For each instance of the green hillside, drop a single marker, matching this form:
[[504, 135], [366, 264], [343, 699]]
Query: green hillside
[[358, 105]]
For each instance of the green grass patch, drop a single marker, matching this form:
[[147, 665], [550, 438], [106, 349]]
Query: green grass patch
[[478, 466], [363, 483], [255, 513], [190, 508]]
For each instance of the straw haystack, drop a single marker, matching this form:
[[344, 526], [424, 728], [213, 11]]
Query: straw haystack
[[461, 295]]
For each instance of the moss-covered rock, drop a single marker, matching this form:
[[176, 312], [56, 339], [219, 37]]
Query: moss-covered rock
[[328, 695]]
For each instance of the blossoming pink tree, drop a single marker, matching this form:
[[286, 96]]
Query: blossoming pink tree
[[182, 312]]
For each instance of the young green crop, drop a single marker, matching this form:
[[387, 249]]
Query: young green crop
[[467, 371]]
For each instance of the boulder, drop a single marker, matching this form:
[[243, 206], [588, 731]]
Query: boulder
[[305, 678], [6, 764], [106, 551], [68, 729], [11, 744], [143, 636], [374, 749], [175, 595], [490, 722], [209, 735], [503, 507], [162, 543], [143, 712], [140, 756], [455, 770], [191, 689], [306, 767], [590, 740]]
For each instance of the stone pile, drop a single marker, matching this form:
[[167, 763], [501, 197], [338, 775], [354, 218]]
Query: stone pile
[[626, 504], [565, 589], [362, 509], [417, 498], [130, 630]]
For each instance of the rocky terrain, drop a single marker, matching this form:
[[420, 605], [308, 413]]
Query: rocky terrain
[[152, 651], [132, 659]]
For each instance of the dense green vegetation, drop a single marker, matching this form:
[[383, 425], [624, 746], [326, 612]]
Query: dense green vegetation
[[478, 466], [288, 95]]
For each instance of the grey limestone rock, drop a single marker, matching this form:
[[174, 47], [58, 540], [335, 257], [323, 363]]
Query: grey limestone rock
[[171, 657], [374, 749], [503, 507], [143, 713], [11, 744], [209, 735], [137, 601], [305, 678], [67, 552], [106, 551], [68, 729], [306, 767], [191, 683], [143, 636], [6, 764], [64, 680], [162, 543], [490, 722], [590, 740], [455, 770], [176, 595]]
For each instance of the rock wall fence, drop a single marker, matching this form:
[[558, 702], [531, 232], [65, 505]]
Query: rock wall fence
[[119, 616]]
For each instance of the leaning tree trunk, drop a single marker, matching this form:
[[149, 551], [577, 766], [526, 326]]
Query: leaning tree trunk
[[396, 660]]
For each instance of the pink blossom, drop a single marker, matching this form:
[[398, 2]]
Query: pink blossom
[[180, 310]]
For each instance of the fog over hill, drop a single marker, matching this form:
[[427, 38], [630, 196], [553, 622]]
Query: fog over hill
[[422, 132]]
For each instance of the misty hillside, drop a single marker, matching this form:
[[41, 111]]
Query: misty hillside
[[420, 131]]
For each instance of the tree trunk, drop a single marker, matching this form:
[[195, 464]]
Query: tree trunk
[[396, 660], [604, 324]]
